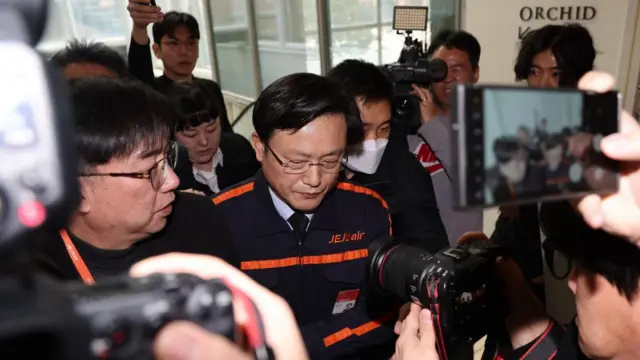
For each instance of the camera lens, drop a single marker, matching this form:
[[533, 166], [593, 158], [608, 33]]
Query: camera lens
[[400, 269]]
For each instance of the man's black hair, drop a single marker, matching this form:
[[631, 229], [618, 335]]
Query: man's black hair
[[292, 102], [170, 24], [459, 40], [615, 258], [191, 105], [115, 118], [553, 140], [361, 79], [84, 52], [506, 148], [571, 45]]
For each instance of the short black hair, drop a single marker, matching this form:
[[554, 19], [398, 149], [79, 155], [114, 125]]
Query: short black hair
[[293, 101], [358, 78], [191, 105], [114, 118], [171, 22], [615, 258], [553, 140], [459, 40], [506, 148], [571, 45], [85, 52]]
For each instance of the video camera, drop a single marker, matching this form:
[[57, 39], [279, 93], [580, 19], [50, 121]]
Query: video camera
[[457, 285], [39, 317], [412, 67]]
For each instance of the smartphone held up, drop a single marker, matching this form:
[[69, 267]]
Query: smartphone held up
[[520, 145]]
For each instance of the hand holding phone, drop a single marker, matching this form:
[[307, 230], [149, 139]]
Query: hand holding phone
[[522, 145], [144, 12]]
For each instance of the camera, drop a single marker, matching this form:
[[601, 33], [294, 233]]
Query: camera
[[412, 68], [457, 285], [125, 314]]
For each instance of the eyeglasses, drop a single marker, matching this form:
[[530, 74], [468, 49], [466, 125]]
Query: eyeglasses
[[559, 264], [177, 44], [302, 166], [157, 174]]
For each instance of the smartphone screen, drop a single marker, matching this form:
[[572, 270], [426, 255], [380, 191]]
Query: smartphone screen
[[522, 145]]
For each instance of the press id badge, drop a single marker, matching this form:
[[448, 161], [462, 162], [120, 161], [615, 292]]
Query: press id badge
[[346, 301]]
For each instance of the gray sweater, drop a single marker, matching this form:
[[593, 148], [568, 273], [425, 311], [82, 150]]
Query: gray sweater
[[436, 157]]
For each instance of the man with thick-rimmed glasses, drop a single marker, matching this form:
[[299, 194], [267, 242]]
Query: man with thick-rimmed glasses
[[303, 233], [129, 209]]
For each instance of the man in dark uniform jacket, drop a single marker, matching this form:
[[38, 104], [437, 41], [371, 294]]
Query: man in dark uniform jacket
[[300, 231], [129, 209], [176, 40], [208, 160]]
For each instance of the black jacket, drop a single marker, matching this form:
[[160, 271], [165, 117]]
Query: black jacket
[[141, 67], [408, 190], [239, 163], [320, 274], [567, 347], [194, 226]]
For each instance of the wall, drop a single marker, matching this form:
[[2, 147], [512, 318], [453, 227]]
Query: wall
[[498, 24]]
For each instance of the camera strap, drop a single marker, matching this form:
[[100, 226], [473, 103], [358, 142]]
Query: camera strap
[[546, 346], [76, 259]]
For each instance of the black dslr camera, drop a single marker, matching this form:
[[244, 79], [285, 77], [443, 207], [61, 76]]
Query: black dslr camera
[[39, 317], [457, 285], [412, 67]]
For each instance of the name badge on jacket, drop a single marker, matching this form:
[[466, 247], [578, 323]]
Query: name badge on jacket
[[346, 301]]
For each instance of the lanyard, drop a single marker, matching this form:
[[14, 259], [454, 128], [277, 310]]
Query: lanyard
[[79, 264]]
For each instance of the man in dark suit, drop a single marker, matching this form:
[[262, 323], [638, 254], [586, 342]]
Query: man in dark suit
[[176, 40], [209, 160]]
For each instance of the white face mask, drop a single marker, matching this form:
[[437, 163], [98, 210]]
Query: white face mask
[[514, 170], [366, 157]]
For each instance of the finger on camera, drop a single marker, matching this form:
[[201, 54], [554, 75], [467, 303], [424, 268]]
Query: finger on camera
[[598, 81], [471, 236], [184, 340], [624, 145]]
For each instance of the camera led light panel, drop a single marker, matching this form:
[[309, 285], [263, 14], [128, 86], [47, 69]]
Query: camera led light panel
[[410, 18]]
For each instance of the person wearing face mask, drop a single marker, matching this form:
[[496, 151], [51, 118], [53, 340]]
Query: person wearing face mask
[[382, 162], [516, 175], [209, 159]]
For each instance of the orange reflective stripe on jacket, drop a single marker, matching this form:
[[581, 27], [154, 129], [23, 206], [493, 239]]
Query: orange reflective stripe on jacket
[[305, 260]]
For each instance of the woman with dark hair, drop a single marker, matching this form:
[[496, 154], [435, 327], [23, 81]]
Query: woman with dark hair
[[552, 56], [555, 56], [208, 159]]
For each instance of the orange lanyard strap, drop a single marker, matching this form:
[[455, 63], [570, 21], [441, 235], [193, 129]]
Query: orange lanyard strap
[[79, 264]]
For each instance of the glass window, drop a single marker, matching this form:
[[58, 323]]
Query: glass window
[[58, 29], [232, 49], [286, 45], [352, 12], [99, 19]]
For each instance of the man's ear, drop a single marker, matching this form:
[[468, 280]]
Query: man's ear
[[476, 75], [156, 50], [258, 146], [86, 193]]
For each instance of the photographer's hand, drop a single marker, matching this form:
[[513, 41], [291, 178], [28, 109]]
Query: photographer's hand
[[428, 108], [143, 14], [187, 341], [616, 213], [417, 340]]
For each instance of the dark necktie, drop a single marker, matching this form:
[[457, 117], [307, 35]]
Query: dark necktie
[[299, 223]]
